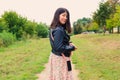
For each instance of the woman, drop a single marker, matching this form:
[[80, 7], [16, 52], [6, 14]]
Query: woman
[[59, 61]]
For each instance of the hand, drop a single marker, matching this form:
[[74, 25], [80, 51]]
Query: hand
[[63, 55], [65, 58]]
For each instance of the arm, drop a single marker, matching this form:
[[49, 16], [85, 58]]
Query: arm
[[58, 42]]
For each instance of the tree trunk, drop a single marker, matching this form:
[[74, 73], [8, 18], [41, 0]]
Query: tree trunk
[[118, 29], [112, 30], [104, 29]]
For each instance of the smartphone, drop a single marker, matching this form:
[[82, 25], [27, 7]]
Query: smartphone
[[69, 65]]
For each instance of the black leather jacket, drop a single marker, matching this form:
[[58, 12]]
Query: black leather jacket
[[60, 44]]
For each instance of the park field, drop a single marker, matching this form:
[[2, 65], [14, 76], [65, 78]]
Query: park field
[[97, 57], [23, 60]]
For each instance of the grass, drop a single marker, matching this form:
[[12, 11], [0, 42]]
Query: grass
[[97, 57], [23, 60]]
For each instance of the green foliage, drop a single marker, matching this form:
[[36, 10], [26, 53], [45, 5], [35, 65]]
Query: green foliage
[[114, 20], [103, 13], [6, 39], [11, 18], [3, 25], [15, 23], [109, 24], [93, 27], [42, 30], [21, 27], [30, 28], [77, 27], [81, 25], [116, 17]]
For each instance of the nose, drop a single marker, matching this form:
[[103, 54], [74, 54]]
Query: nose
[[66, 17]]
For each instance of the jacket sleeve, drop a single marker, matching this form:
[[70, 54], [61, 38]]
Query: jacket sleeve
[[58, 42]]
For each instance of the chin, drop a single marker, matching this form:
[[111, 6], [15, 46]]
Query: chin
[[63, 23]]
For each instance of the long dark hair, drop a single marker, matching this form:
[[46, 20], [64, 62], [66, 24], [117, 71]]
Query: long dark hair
[[56, 23]]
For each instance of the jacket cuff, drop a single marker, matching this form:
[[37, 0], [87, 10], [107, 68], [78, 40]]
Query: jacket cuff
[[73, 48]]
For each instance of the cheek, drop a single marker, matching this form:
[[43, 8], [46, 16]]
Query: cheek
[[60, 18]]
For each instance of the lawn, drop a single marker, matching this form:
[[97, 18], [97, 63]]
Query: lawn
[[97, 58], [23, 60]]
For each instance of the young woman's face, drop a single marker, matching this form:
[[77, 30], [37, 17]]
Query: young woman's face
[[63, 18]]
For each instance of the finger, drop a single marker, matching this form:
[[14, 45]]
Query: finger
[[63, 55]]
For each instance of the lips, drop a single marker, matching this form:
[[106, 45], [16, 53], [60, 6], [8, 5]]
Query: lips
[[64, 20]]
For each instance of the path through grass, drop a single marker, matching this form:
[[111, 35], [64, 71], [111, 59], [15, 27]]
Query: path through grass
[[97, 58], [23, 60]]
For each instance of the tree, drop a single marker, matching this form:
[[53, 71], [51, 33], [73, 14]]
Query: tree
[[15, 23], [81, 25], [86, 23], [113, 4], [102, 14], [116, 18], [93, 27], [30, 28], [11, 18], [77, 27], [110, 25]]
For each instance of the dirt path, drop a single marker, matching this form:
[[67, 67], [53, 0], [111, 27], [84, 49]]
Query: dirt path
[[44, 74]]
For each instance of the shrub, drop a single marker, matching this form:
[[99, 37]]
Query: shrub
[[6, 38], [42, 30]]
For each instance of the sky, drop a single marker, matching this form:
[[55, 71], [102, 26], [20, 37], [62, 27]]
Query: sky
[[43, 10]]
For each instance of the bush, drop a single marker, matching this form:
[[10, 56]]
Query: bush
[[3, 25], [6, 39], [30, 28], [100, 31], [42, 30]]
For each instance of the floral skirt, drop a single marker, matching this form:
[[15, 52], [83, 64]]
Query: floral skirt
[[58, 68]]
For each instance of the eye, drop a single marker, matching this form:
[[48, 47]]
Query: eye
[[64, 15]]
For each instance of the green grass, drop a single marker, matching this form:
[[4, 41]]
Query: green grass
[[23, 60], [97, 56]]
